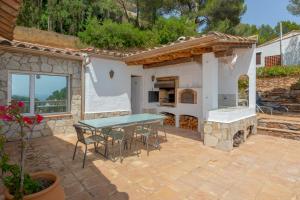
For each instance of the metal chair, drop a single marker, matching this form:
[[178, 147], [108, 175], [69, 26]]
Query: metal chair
[[146, 131], [159, 125], [92, 139], [121, 136]]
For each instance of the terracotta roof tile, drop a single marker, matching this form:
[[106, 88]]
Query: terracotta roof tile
[[41, 48], [90, 50]]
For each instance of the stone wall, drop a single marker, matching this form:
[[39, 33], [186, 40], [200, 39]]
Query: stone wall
[[269, 84], [21, 62], [281, 90], [105, 114], [220, 135]]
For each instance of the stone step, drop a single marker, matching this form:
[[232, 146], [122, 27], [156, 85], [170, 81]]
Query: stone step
[[283, 133], [279, 124]]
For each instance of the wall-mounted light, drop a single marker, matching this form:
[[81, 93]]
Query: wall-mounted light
[[153, 78], [111, 74]]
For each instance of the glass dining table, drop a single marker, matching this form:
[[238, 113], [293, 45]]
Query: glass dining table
[[110, 123]]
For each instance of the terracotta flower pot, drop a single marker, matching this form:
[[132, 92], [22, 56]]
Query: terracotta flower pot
[[55, 191]]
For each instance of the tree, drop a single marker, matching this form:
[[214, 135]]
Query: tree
[[287, 26], [266, 33], [294, 7], [245, 30], [169, 30], [58, 95], [218, 15], [133, 20], [32, 14], [105, 9], [223, 15]]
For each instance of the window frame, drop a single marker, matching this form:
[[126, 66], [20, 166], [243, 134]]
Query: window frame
[[260, 57], [32, 90]]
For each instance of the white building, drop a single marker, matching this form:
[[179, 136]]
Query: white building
[[194, 82], [197, 78], [268, 54]]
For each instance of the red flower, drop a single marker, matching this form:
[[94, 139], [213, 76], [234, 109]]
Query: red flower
[[6, 118], [27, 120], [21, 104], [2, 108], [39, 118]]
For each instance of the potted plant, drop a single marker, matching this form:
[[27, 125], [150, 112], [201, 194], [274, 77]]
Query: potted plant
[[19, 184]]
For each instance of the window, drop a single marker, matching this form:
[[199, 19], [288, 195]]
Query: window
[[258, 58], [21, 91], [41, 93]]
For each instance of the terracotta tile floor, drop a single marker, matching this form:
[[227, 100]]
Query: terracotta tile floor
[[264, 167]]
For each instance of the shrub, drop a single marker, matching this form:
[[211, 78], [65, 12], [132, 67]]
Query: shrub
[[278, 71], [169, 30], [111, 35]]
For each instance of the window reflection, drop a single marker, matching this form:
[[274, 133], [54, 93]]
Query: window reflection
[[20, 91], [51, 94]]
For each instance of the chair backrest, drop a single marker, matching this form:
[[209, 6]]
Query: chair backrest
[[80, 133], [129, 130]]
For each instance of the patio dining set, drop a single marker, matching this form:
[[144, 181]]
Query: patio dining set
[[119, 133]]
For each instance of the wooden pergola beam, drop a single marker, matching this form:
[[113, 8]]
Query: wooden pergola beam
[[15, 4], [184, 46], [5, 27], [217, 48], [7, 16], [169, 62], [225, 53], [5, 21], [5, 7], [6, 34], [200, 51], [9, 10], [220, 44]]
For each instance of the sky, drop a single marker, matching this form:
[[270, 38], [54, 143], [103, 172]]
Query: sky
[[267, 12], [44, 86]]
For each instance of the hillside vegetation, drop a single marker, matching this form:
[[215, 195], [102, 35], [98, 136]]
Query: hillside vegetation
[[277, 71], [123, 24]]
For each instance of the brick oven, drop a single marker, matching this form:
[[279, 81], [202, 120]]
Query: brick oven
[[188, 96]]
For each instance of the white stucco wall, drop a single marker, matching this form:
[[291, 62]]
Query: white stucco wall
[[103, 94], [228, 84], [290, 50], [190, 76], [209, 79]]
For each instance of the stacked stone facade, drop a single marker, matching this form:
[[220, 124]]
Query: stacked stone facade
[[105, 114], [220, 135], [23, 62]]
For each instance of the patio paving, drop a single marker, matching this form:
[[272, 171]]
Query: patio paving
[[264, 167]]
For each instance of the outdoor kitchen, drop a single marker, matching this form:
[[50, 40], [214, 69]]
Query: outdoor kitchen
[[167, 90]]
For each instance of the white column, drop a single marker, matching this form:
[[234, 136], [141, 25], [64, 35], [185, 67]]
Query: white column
[[252, 78], [177, 121], [210, 89]]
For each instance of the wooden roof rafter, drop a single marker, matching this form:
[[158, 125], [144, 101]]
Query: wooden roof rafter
[[9, 10], [218, 43]]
